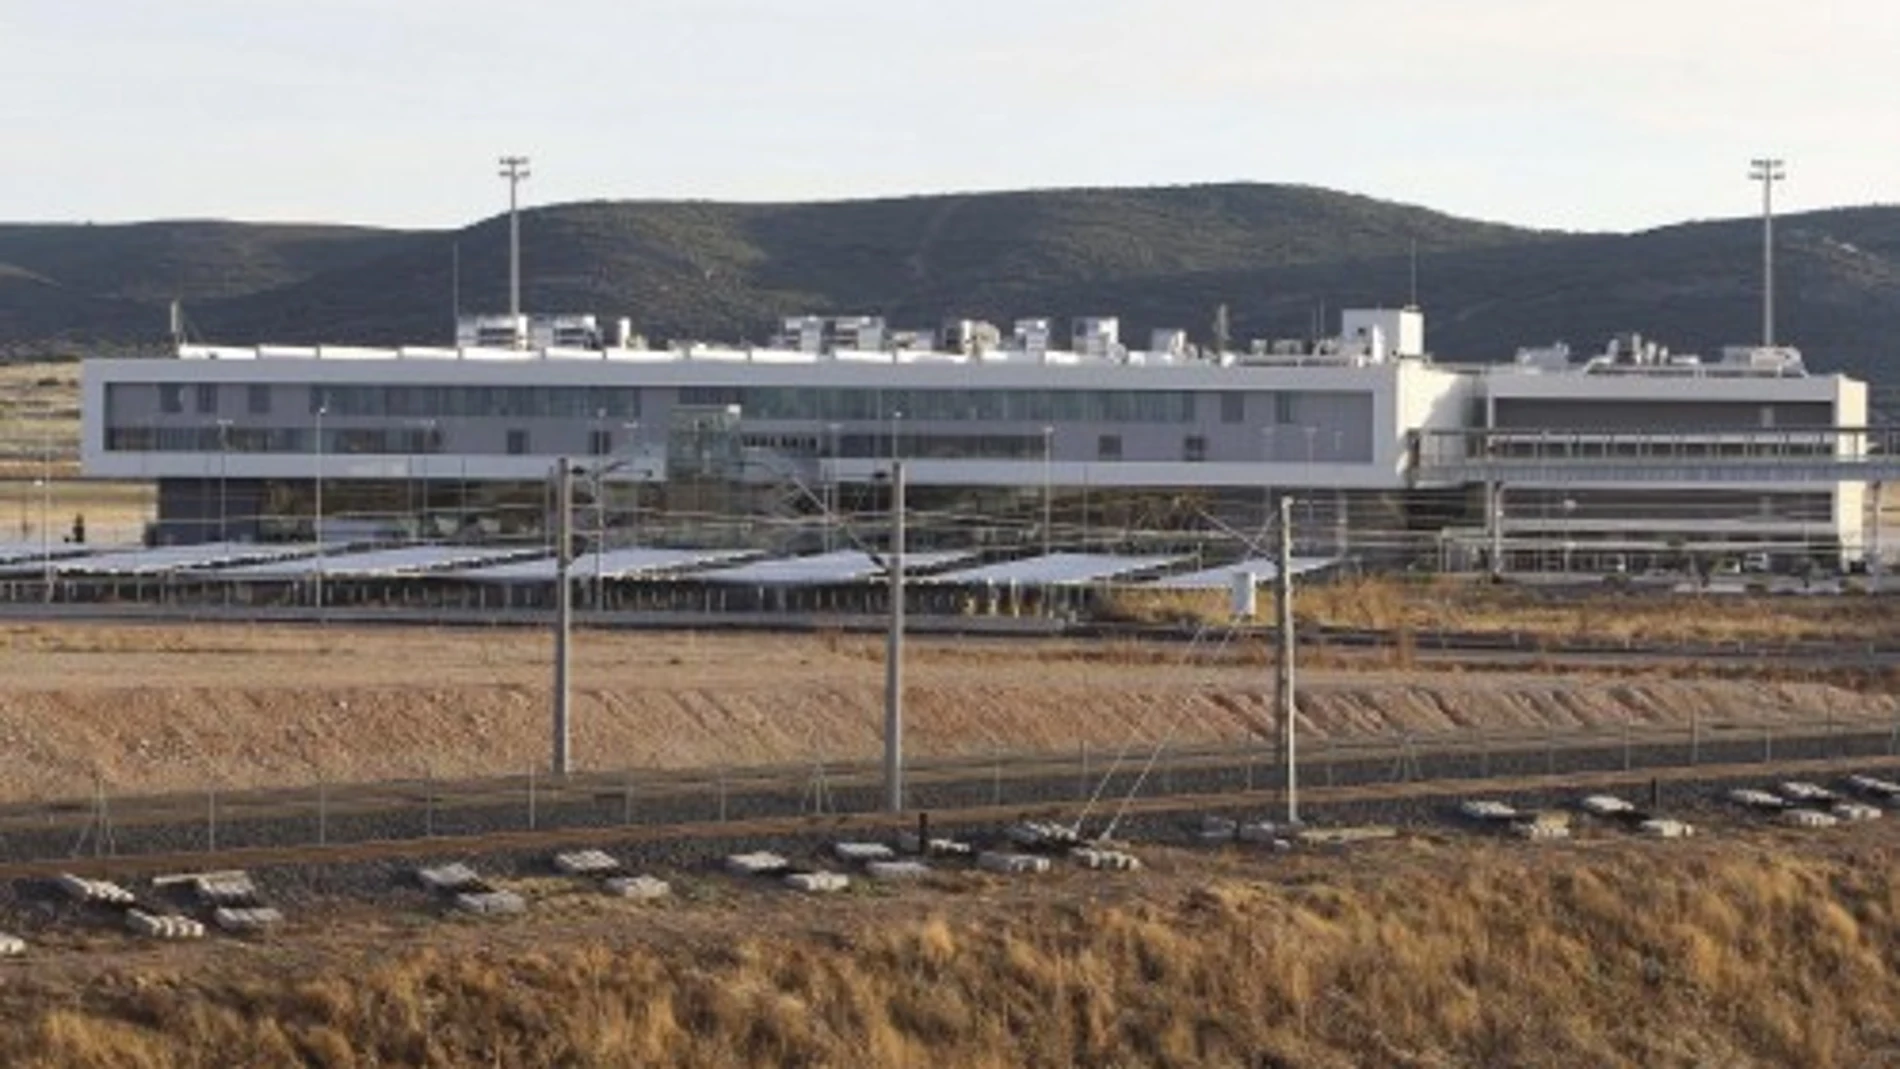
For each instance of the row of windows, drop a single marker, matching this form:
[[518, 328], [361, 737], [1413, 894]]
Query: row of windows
[[425, 441], [417, 401], [989, 405], [755, 402], [522, 402], [384, 441]]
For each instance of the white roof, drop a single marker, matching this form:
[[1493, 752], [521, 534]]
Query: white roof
[[160, 560], [613, 564], [35, 552], [824, 569], [1264, 570], [1056, 569], [375, 563]]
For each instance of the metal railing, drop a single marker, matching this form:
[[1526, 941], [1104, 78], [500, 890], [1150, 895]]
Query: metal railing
[[322, 814], [1703, 455]]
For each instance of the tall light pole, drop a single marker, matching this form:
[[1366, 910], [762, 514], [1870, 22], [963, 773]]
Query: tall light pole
[[1767, 170], [46, 507], [894, 650], [1048, 485], [1283, 588], [514, 169], [224, 454], [1570, 510], [600, 448], [831, 485], [424, 447], [316, 511], [563, 608]]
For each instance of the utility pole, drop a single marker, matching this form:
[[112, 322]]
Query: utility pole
[[563, 606], [316, 508], [894, 652], [1767, 171], [514, 169], [1283, 596]]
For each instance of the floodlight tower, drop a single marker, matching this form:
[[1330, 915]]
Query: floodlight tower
[[1767, 171], [514, 169]]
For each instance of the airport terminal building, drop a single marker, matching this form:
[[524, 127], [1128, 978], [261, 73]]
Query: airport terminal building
[[1392, 455]]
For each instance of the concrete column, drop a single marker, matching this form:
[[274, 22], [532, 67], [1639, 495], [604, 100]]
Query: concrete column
[[1494, 524], [1874, 565]]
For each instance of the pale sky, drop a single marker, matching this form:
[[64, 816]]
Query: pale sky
[[1593, 114]]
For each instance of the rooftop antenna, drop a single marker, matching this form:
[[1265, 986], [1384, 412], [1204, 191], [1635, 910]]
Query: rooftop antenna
[[1221, 332], [177, 323], [514, 169], [455, 279], [1767, 170]]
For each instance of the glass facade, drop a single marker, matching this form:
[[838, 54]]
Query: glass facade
[[518, 402], [988, 405]]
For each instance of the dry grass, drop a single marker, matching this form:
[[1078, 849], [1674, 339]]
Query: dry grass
[[1435, 956], [1392, 604]]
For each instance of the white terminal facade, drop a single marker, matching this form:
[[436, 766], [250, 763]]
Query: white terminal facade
[[1390, 452]]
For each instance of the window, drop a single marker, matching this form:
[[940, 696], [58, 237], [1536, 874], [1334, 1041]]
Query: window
[[257, 400], [1285, 407], [1233, 407], [517, 443], [1194, 449], [600, 443], [208, 398], [171, 398], [1108, 447]]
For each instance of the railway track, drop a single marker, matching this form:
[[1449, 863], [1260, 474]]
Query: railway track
[[447, 814], [1317, 799]]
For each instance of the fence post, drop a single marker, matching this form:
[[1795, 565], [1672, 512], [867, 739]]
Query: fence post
[[1327, 741], [1695, 738], [996, 776], [1249, 769], [1484, 754], [531, 813], [211, 821], [1628, 757], [722, 794], [1082, 793], [323, 812], [1767, 743], [1550, 752], [626, 798]]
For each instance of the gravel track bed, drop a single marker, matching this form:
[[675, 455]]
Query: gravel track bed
[[1106, 781], [33, 910]]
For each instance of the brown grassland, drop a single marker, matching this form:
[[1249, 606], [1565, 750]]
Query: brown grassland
[[1769, 952]]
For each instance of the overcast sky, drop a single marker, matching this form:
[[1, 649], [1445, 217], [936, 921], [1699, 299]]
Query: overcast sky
[[1564, 113]]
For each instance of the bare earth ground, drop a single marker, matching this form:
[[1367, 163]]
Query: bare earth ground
[[150, 708]]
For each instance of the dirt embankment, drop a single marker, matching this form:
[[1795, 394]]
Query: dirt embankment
[[138, 708], [1421, 955]]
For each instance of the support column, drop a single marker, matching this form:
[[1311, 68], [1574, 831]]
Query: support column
[[1494, 524], [1874, 564]]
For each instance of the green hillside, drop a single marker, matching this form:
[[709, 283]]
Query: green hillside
[[1277, 255]]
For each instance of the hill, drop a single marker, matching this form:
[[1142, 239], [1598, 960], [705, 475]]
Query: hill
[[1276, 254]]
